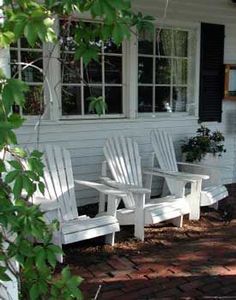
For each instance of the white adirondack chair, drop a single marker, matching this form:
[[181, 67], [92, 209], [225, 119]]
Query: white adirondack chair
[[59, 201], [165, 153], [122, 156]]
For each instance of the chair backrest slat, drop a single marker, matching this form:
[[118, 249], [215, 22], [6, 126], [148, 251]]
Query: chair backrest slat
[[124, 161], [58, 180], [163, 147]]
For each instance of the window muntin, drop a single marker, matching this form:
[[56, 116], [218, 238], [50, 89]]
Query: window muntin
[[98, 78], [163, 70], [22, 55]]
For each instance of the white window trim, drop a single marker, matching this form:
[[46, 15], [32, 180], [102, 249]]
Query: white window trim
[[192, 106], [129, 81]]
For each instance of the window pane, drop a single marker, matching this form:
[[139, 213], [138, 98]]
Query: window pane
[[34, 104], [180, 71], [180, 46], [113, 97], [31, 74], [93, 72], [145, 42], [145, 67], [145, 99], [164, 42], [70, 69], [111, 47], [179, 98], [71, 100], [163, 70], [162, 101], [90, 91], [14, 65], [113, 69]]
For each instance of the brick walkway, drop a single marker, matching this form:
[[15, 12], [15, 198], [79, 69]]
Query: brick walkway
[[197, 261]]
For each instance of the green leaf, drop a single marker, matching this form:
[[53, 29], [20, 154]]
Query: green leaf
[[13, 92], [15, 164], [3, 275], [31, 33], [34, 292], [11, 176], [41, 187], [19, 152], [36, 153], [18, 186], [2, 166]]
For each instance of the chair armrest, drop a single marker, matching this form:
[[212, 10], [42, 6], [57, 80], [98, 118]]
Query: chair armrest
[[102, 188], [203, 166], [180, 176], [128, 188]]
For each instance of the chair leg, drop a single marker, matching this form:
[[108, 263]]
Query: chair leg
[[139, 213], [178, 222], [110, 239]]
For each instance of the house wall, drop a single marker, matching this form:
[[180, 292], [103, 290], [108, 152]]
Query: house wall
[[85, 139]]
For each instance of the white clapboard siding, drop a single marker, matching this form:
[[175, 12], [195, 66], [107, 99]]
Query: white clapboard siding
[[190, 10], [86, 146]]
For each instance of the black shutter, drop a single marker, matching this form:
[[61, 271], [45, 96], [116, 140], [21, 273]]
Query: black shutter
[[211, 72]]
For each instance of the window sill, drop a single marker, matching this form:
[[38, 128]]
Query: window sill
[[160, 117]]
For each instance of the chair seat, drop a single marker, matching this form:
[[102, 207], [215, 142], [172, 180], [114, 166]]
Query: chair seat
[[212, 194], [81, 224], [165, 209]]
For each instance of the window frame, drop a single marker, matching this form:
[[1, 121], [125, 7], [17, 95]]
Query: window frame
[[123, 83], [18, 48], [193, 28]]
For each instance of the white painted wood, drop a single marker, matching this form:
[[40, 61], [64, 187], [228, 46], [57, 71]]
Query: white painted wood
[[165, 154], [122, 155], [60, 184]]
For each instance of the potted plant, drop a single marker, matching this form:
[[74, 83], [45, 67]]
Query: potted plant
[[205, 141]]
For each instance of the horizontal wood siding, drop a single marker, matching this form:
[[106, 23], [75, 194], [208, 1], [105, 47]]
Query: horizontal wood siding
[[85, 141]]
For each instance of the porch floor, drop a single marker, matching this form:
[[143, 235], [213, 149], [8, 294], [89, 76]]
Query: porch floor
[[197, 261]]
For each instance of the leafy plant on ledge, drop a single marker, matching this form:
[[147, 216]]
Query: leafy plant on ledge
[[205, 141]]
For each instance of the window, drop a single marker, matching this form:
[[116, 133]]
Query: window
[[27, 65], [164, 63], [79, 82]]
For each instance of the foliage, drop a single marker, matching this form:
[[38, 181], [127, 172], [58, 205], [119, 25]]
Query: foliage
[[204, 142], [22, 224]]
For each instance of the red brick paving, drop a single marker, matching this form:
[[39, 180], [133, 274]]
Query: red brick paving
[[197, 261]]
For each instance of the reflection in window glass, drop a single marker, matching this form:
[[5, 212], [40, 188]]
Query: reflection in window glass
[[162, 99], [113, 69], [180, 71], [93, 72], [161, 85], [145, 65], [113, 98], [102, 77], [31, 74], [163, 42], [180, 43], [163, 70], [145, 42], [34, 104], [27, 65], [145, 99], [71, 104], [70, 68], [179, 98]]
